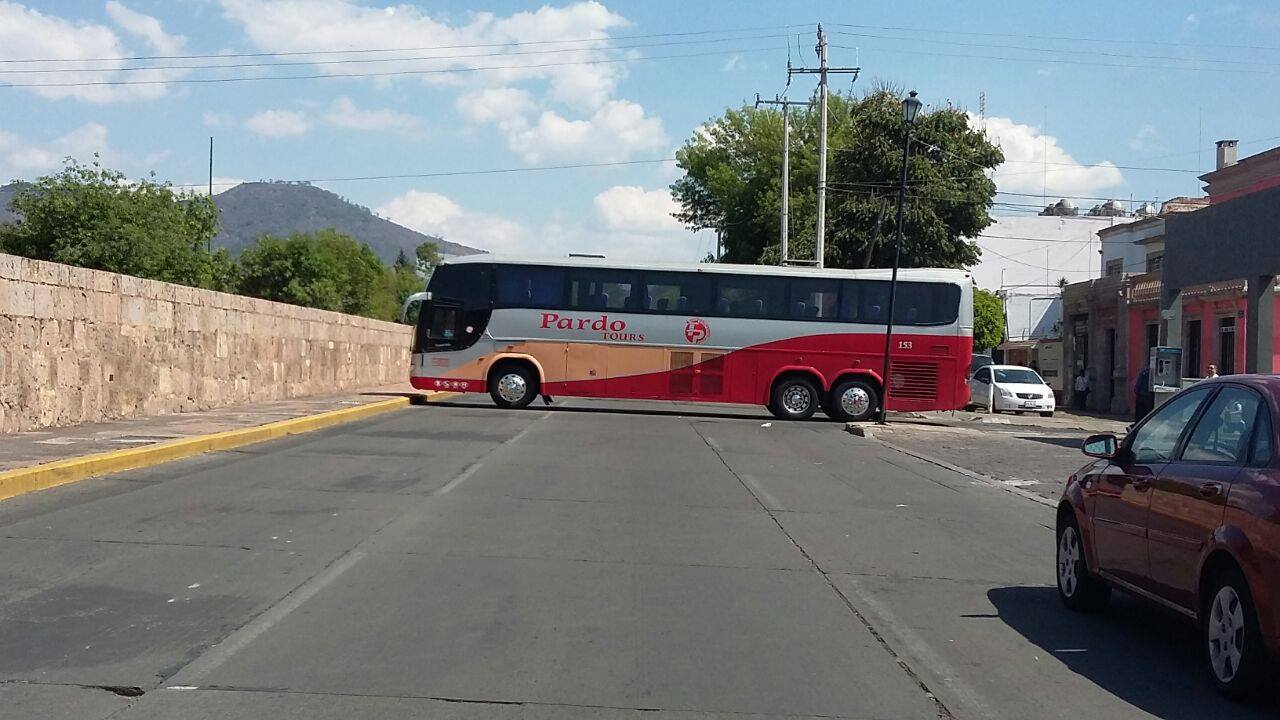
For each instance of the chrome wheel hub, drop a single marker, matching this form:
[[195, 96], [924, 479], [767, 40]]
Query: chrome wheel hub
[[512, 387], [1068, 562], [796, 399], [855, 401], [1226, 634]]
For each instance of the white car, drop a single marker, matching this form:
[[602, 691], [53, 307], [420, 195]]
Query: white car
[[1011, 387]]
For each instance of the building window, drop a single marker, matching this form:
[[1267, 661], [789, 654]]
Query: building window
[[1115, 267], [1155, 261]]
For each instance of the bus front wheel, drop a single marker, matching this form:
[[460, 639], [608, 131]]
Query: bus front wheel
[[853, 400], [794, 398], [513, 386]]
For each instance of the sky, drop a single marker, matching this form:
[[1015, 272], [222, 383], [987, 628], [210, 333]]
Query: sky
[[1087, 99]]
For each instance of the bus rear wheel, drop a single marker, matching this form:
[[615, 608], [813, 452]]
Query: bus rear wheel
[[853, 400], [794, 398], [512, 385]]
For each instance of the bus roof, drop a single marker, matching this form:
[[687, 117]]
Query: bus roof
[[917, 274]]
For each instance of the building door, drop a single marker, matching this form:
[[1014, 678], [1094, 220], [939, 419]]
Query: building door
[[1227, 345], [1153, 337], [1191, 352], [1110, 376]]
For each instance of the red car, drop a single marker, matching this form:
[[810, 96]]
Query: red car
[[1185, 511]]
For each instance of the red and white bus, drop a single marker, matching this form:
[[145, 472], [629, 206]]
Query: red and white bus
[[793, 339]]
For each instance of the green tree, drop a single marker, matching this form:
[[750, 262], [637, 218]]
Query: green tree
[[733, 164], [988, 319], [91, 216], [325, 269], [395, 286], [428, 254]]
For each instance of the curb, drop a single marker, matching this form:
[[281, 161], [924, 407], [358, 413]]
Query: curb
[[986, 479], [60, 472]]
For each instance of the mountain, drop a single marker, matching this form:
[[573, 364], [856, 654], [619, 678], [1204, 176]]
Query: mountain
[[6, 194], [251, 209]]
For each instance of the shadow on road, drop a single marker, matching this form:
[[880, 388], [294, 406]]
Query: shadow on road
[[609, 410], [1134, 651], [1066, 442]]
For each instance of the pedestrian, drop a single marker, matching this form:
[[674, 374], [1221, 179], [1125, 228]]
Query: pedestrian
[[1144, 398], [1213, 372], [1081, 387]]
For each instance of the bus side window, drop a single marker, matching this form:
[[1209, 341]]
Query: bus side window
[[751, 296], [678, 293], [529, 286], [814, 299]]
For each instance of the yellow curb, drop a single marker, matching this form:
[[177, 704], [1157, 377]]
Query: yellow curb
[[39, 477]]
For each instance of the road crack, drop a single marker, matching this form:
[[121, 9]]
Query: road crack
[[943, 711]]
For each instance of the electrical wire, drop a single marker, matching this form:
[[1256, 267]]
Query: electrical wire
[[388, 73], [1131, 40], [353, 51]]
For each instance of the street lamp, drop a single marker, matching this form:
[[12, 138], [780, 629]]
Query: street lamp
[[910, 109]]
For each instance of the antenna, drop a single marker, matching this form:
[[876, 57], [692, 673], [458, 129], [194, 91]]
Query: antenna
[[982, 111]]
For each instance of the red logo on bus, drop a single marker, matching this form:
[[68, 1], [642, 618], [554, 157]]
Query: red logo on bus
[[695, 331]]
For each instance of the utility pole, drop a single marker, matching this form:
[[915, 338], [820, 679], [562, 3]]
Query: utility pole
[[210, 243], [822, 71], [784, 255]]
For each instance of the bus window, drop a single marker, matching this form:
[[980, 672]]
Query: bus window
[[466, 284], [917, 303], [751, 296], [814, 299], [528, 286], [678, 293], [603, 289]]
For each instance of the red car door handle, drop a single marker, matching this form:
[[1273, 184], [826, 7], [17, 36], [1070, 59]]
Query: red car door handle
[[1141, 484], [1210, 489]]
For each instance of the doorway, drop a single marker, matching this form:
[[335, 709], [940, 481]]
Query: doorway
[[1227, 345], [1109, 377], [1191, 353]]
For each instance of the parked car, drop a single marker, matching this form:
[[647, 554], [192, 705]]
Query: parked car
[[1011, 387], [1183, 512], [978, 362]]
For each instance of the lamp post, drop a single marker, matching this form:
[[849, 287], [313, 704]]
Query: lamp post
[[910, 109]]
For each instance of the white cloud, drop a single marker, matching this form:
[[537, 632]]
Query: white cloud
[[218, 120], [1191, 19], [279, 123], [344, 113], [1026, 150], [434, 214], [146, 28], [733, 63], [615, 132], [648, 239], [496, 105], [30, 34], [300, 25], [24, 159], [1145, 140], [634, 209]]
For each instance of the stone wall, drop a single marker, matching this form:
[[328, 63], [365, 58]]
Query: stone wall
[[79, 346]]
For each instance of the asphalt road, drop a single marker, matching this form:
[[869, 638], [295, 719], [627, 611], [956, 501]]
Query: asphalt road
[[589, 560]]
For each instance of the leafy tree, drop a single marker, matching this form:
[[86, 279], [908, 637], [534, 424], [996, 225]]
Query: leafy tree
[[428, 254], [988, 319], [325, 269], [91, 216], [732, 168]]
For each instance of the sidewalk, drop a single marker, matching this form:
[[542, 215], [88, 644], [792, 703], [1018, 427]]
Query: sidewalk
[[43, 446]]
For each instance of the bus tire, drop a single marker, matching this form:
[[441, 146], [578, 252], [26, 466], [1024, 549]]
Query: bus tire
[[853, 400], [795, 397], [513, 385]]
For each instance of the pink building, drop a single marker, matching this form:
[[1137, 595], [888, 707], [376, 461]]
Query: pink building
[[1110, 324]]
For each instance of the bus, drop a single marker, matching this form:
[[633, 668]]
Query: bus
[[795, 340]]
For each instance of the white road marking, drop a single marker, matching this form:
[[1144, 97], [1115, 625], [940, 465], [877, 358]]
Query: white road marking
[[240, 639], [475, 466]]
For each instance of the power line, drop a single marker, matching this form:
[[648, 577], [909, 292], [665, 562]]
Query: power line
[[388, 73], [362, 61], [1059, 61], [1094, 53], [1118, 41], [454, 173], [352, 51]]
